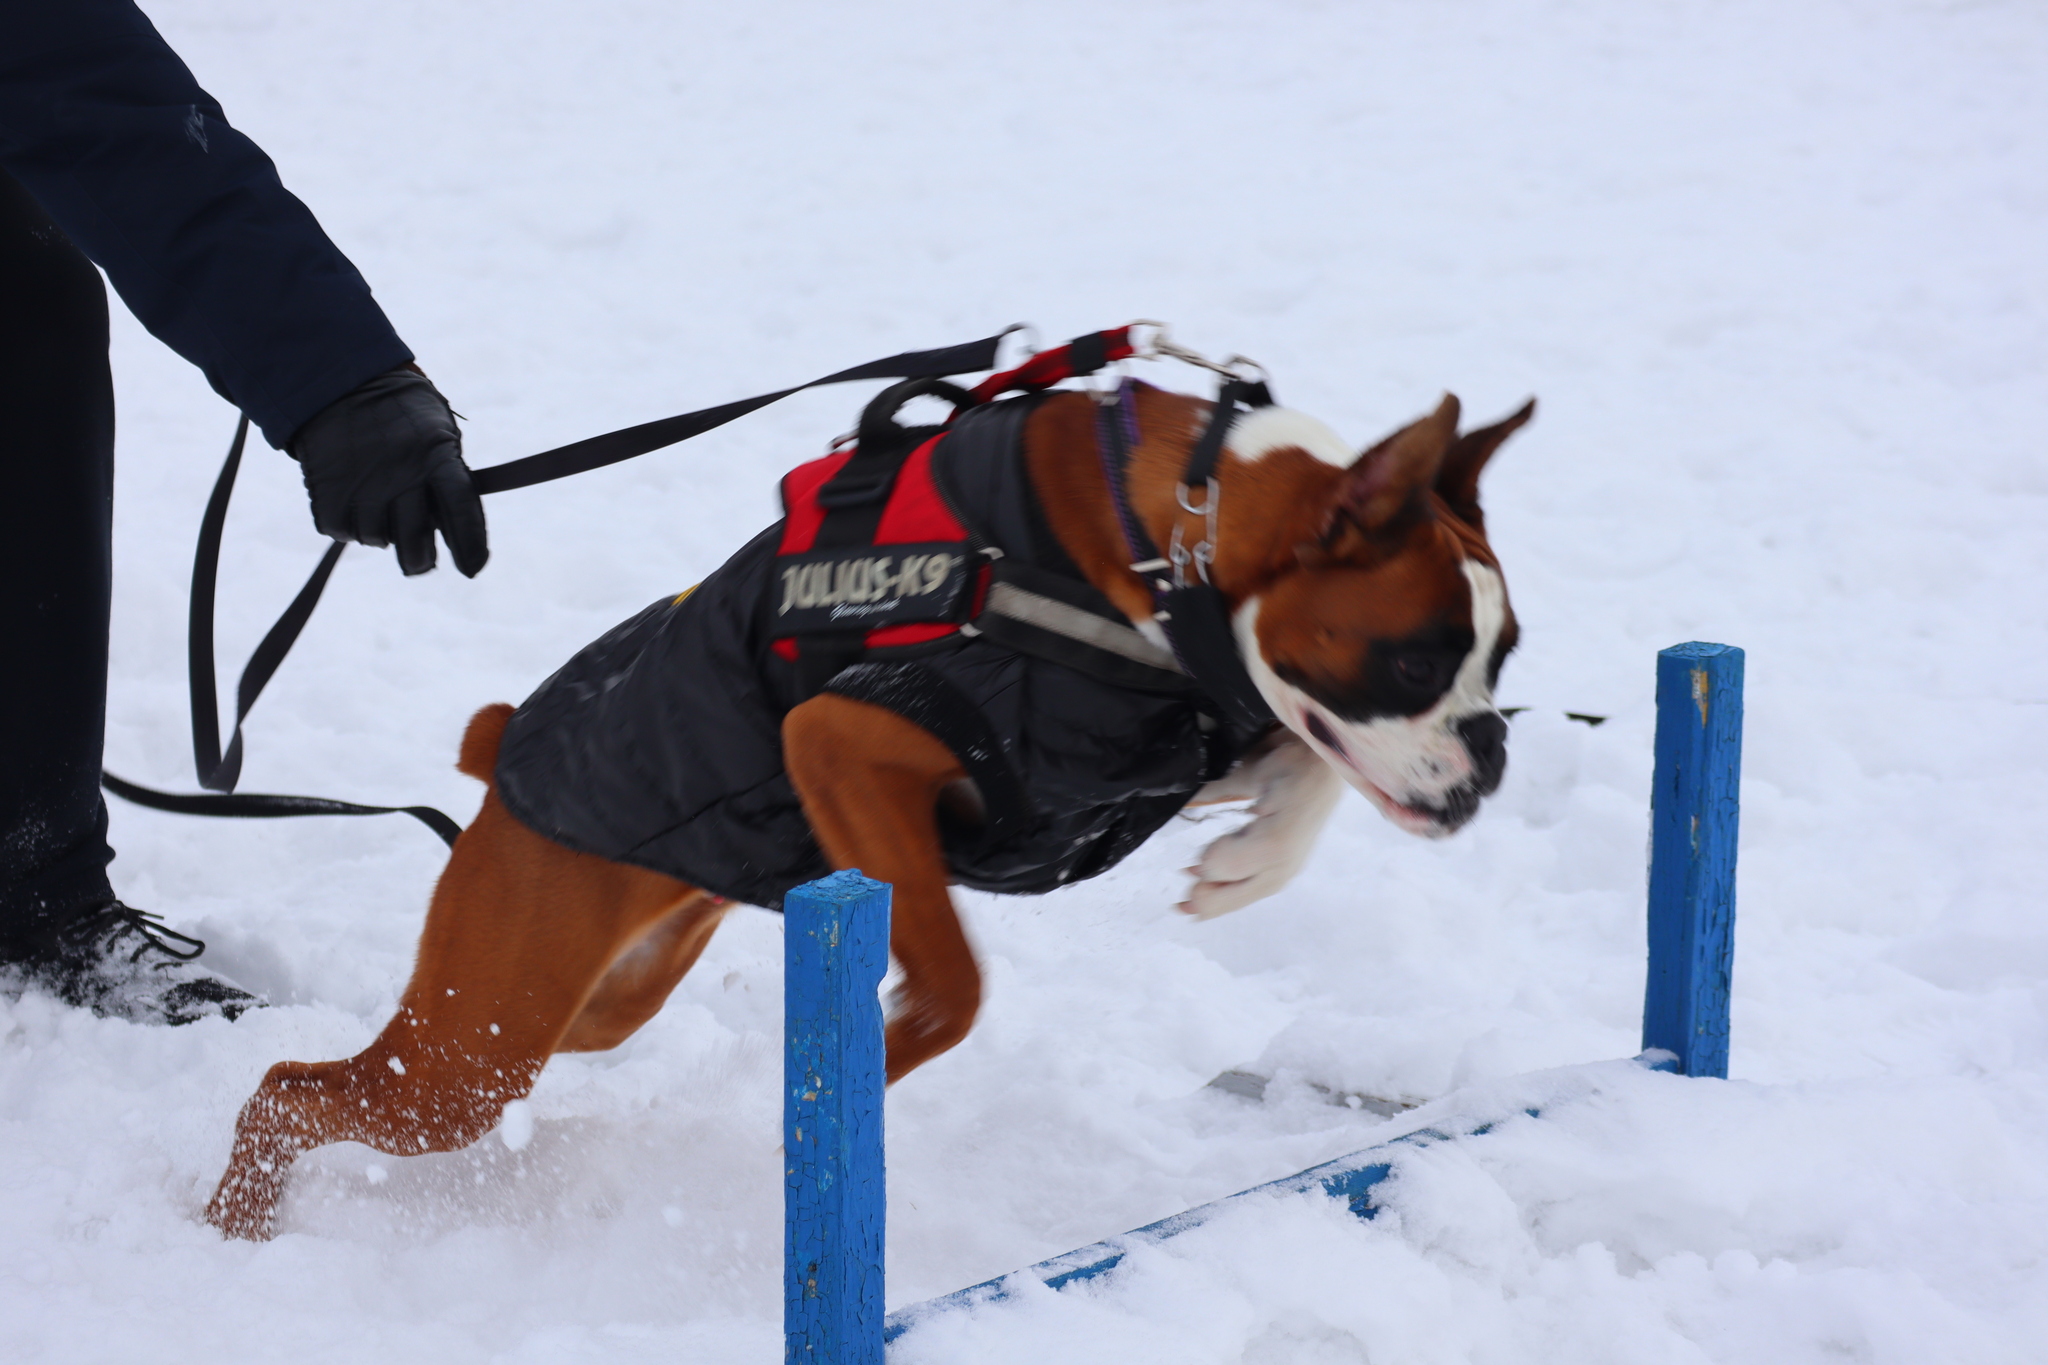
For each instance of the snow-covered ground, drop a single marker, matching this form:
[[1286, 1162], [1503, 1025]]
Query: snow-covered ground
[[1775, 271]]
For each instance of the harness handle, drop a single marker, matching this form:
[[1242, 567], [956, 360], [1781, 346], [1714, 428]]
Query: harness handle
[[878, 426], [880, 443]]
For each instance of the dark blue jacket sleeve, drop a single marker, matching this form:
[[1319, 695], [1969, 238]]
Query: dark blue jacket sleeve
[[106, 127]]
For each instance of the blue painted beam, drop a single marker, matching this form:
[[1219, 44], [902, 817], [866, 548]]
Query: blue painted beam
[[1694, 809], [1349, 1178], [835, 951]]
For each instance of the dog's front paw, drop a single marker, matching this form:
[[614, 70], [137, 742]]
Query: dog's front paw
[[1246, 865], [1207, 899], [1296, 792]]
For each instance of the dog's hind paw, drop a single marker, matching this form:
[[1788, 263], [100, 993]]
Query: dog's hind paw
[[248, 1220]]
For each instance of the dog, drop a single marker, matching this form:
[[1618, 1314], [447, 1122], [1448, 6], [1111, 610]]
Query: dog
[[1364, 602]]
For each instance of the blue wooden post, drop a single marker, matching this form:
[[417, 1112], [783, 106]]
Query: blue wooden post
[[835, 951], [1694, 805]]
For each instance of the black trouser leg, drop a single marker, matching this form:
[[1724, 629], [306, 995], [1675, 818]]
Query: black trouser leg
[[56, 528]]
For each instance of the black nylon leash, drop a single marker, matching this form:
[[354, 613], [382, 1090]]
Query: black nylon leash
[[263, 806], [628, 442], [219, 770]]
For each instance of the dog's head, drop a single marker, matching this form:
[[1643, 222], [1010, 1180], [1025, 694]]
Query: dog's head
[[1380, 639]]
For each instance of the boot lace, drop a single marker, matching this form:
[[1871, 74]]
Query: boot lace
[[117, 922]]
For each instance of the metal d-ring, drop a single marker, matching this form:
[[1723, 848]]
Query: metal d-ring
[[1245, 368], [1203, 554], [1028, 338]]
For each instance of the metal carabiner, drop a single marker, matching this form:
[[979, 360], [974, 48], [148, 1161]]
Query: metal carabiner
[[1161, 346]]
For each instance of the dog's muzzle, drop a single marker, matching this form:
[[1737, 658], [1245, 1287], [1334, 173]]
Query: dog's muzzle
[[1485, 737]]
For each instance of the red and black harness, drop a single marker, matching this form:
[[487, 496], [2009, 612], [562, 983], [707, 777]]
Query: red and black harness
[[873, 560]]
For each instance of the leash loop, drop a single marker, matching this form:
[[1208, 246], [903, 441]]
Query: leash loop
[[265, 806]]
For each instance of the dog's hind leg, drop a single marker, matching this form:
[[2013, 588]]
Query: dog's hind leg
[[639, 981], [519, 936]]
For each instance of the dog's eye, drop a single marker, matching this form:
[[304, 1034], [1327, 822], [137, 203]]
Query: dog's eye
[[1419, 671]]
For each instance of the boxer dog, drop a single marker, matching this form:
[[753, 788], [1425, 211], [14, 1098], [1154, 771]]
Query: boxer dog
[[1367, 607]]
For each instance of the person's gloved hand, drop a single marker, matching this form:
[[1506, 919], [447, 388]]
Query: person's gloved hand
[[383, 466]]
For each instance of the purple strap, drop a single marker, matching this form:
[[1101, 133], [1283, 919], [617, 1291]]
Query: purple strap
[[1116, 420]]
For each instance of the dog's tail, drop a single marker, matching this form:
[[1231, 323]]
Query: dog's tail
[[479, 756]]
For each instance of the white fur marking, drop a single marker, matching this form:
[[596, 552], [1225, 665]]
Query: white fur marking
[[1471, 691], [1262, 431]]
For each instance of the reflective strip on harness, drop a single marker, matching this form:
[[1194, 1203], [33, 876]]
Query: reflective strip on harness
[[1046, 613]]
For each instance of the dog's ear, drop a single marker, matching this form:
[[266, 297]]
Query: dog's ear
[[1387, 480], [1457, 479]]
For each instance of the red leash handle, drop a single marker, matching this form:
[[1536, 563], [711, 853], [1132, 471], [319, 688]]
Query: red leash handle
[[1083, 355]]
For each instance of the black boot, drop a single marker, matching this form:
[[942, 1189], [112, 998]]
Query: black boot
[[123, 963]]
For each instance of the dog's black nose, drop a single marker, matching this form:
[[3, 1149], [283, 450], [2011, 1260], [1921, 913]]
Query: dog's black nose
[[1485, 737]]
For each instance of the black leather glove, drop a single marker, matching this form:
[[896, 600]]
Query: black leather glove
[[383, 466]]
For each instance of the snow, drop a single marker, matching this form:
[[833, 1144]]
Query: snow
[[1773, 270]]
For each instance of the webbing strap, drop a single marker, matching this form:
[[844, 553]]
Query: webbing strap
[[219, 771], [1208, 450], [928, 701], [1195, 616]]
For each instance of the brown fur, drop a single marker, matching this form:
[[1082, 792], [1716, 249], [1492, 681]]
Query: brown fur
[[478, 757], [1319, 620], [531, 949]]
